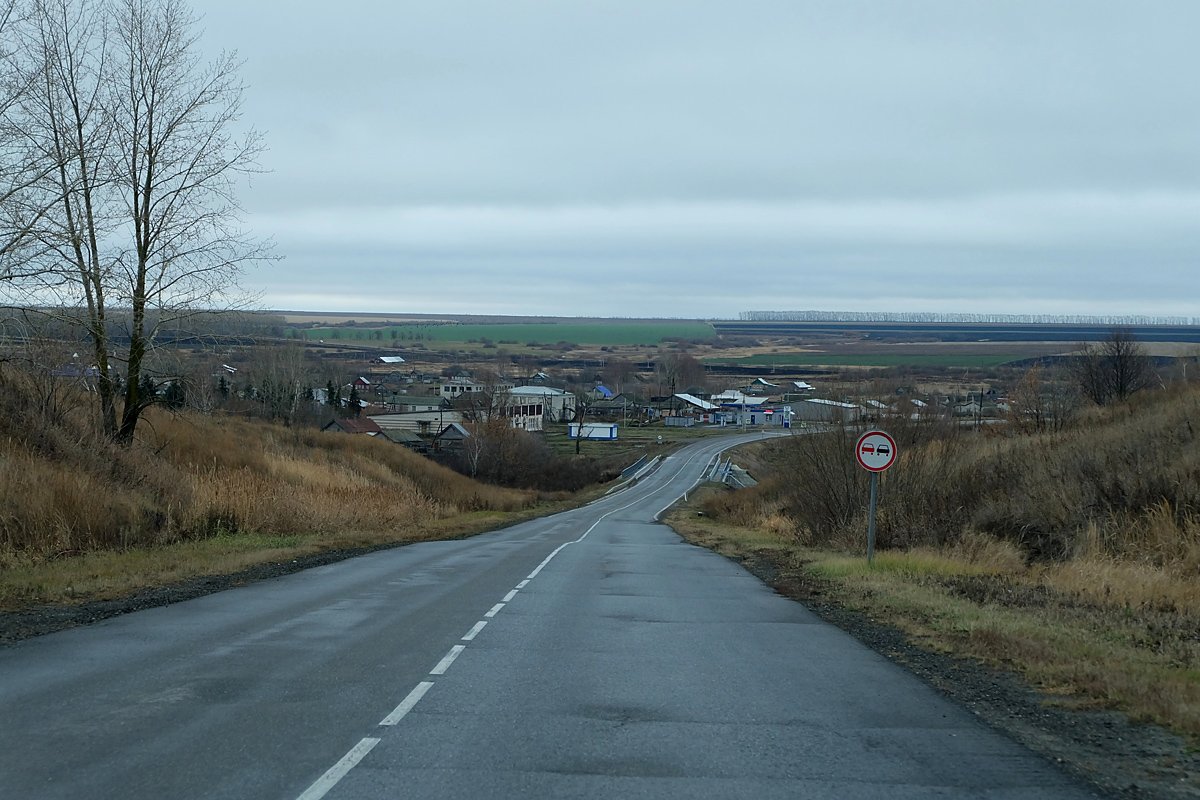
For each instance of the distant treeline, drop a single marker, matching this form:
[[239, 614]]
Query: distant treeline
[[70, 325], [916, 316]]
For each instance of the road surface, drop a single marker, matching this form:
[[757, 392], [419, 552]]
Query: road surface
[[591, 654]]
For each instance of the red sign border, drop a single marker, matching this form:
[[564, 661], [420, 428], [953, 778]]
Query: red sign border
[[858, 451]]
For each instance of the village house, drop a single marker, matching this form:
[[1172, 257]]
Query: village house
[[363, 425], [407, 439], [423, 423], [683, 410], [452, 436]]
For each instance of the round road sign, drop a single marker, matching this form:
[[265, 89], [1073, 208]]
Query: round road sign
[[875, 451]]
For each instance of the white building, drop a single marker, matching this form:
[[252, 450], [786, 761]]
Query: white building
[[460, 387], [558, 405]]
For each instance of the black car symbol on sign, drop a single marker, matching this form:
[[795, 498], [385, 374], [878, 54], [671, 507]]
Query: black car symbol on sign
[[883, 450]]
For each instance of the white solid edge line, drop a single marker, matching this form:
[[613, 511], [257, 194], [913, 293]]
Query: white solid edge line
[[494, 610], [508, 597], [406, 705], [475, 629], [323, 784], [447, 660]]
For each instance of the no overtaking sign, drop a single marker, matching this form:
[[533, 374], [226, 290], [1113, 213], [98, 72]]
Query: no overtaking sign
[[875, 451]]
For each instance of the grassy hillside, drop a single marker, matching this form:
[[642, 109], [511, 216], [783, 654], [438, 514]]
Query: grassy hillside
[[1120, 482], [211, 493]]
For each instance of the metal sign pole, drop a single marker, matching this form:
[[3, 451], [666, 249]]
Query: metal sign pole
[[875, 451], [871, 518]]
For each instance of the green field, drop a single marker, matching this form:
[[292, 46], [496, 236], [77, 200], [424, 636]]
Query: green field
[[869, 360], [593, 333]]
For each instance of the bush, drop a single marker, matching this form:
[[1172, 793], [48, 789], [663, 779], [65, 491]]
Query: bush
[[1121, 481]]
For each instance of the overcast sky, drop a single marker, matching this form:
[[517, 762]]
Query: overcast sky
[[697, 159]]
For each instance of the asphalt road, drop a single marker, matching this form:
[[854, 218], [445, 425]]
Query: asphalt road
[[589, 654]]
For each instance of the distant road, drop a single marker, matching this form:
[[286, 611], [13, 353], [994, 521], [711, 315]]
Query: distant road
[[591, 654], [961, 331]]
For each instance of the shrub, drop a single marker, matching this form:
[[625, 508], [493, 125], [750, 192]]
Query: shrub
[[1121, 481]]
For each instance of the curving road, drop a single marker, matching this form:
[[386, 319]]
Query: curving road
[[590, 654]]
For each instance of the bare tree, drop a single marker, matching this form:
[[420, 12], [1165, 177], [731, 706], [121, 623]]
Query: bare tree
[[617, 372], [141, 135], [1114, 369], [21, 168], [1041, 401], [66, 125], [282, 380], [678, 372], [176, 166]]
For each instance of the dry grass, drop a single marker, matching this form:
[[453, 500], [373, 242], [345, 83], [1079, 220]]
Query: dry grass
[[1121, 482], [202, 495]]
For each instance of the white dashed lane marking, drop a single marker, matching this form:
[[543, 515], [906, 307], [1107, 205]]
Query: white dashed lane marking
[[323, 784], [406, 705], [447, 660]]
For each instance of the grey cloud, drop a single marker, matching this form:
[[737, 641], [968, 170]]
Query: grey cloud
[[1008, 152]]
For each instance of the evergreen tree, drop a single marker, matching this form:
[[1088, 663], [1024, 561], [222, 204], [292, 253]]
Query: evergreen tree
[[148, 390], [175, 397]]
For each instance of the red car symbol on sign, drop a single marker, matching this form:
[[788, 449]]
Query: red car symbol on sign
[[875, 451]]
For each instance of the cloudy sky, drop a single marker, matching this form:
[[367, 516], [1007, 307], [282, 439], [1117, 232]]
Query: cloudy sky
[[696, 159]]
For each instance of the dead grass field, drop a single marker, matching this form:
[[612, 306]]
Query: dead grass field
[[199, 495]]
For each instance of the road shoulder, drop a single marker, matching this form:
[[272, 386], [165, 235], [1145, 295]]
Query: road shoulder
[[1121, 758]]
